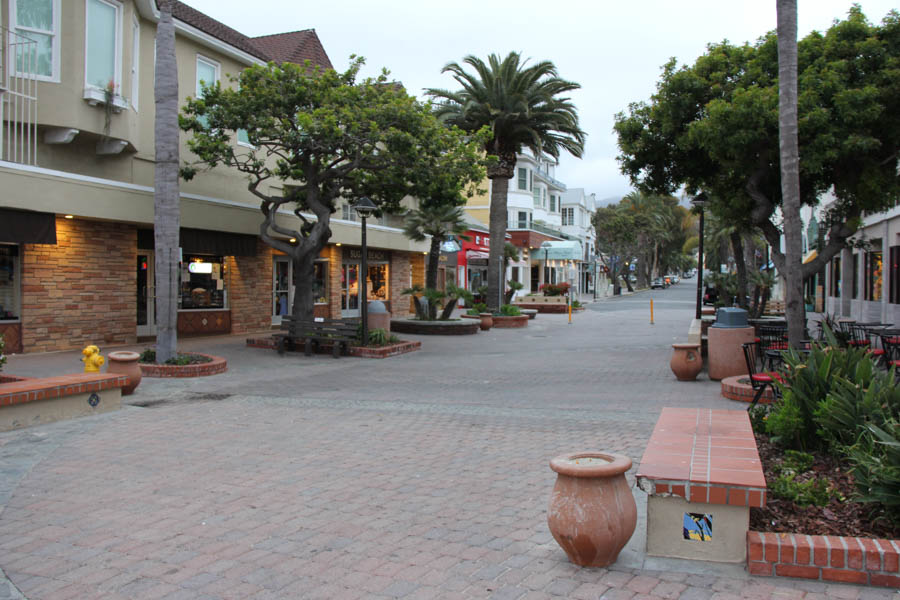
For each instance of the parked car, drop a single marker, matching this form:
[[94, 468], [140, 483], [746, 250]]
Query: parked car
[[657, 283], [674, 278]]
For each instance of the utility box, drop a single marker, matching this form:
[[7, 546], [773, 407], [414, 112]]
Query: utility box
[[731, 318]]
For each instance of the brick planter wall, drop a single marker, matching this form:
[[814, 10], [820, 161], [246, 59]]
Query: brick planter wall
[[734, 389], [82, 290], [510, 322], [216, 366], [465, 327], [544, 308], [828, 558]]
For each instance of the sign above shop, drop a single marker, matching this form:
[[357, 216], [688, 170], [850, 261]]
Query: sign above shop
[[200, 267], [371, 255]]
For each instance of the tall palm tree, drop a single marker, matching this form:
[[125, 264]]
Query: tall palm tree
[[524, 107], [166, 219], [790, 168]]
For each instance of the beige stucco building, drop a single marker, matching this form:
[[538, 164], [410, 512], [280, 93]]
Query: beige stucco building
[[76, 206]]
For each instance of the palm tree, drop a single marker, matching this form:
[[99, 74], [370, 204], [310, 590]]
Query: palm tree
[[524, 107], [438, 221], [166, 196], [790, 168]]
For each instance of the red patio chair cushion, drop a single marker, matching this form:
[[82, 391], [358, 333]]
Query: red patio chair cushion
[[893, 340], [768, 377], [778, 346], [876, 352], [859, 342]]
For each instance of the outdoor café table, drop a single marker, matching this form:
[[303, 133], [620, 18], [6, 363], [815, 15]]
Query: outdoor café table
[[775, 358]]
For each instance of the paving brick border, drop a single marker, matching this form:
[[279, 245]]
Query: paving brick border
[[215, 366], [403, 347], [856, 560], [734, 389]]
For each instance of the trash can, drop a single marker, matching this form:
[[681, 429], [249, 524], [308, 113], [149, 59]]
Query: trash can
[[378, 316], [725, 343]]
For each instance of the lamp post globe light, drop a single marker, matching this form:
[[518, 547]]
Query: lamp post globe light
[[364, 208], [698, 201]]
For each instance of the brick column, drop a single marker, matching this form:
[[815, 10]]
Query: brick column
[[249, 281]]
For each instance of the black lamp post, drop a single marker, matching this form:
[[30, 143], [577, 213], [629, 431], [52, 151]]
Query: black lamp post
[[546, 247], [698, 202], [364, 208]]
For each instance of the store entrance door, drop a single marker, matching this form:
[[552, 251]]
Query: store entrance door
[[146, 296], [349, 290], [282, 290]]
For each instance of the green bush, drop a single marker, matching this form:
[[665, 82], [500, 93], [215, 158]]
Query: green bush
[[876, 466], [815, 490], [378, 337], [477, 309], [508, 310]]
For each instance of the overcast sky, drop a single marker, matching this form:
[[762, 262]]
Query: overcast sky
[[613, 48]]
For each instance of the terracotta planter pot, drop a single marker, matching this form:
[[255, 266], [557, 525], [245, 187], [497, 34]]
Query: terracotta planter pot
[[592, 513], [125, 363], [487, 321], [686, 361]]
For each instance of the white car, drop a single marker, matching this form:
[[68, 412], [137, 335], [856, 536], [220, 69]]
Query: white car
[[673, 278]]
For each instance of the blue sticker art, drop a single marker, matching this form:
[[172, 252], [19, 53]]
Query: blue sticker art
[[698, 526], [94, 399]]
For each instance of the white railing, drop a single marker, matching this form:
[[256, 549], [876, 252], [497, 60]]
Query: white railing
[[18, 98]]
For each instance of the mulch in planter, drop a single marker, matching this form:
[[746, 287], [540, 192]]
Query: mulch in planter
[[846, 518]]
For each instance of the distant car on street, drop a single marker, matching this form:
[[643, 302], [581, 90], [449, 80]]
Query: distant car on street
[[657, 283], [673, 278]]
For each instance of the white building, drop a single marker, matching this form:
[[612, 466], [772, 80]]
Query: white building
[[577, 210]]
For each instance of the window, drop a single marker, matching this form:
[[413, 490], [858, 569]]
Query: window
[[523, 179], [894, 275], [568, 215], [478, 240], [874, 276], [320, 281], [835, 287], [537, 198], [207, 75], [523, 220], [530, 180], [544, 197], [135, 62], [103, 45], [855, 292], [10, 276], [552, 203], [347, 212], [202, 282], [37, 20]]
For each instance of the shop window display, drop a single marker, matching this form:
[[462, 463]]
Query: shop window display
[[203, 282], [9, 282]]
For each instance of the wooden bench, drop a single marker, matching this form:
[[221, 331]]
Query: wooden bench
[[338, 332], [702, 473]]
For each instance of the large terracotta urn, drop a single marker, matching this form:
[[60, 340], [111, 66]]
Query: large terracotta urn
[[686, 361], [487, 320], [125, 363], [592, 513]]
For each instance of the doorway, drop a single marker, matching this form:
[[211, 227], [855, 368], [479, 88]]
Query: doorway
[[282, 292], [349, 290], [146, 296]]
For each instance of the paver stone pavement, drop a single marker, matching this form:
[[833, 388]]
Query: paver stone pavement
[[420, 476]]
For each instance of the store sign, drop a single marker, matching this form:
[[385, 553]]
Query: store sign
[[371, 255], [200, 268]]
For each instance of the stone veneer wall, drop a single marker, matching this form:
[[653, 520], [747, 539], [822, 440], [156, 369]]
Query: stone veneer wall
[[335, 256], [400, 279], [82, 290], [249, 280]]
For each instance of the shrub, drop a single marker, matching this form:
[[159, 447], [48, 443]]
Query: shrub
[[508, 310], [477, 309], [876, 467], [576, 304], [790, 485], [555, 289], [378, 337]]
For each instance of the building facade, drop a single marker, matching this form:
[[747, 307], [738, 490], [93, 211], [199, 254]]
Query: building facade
[[77, 169]]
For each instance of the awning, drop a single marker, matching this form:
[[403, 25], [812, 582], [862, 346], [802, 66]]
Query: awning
[[811, 256], [559, 251], [27, 227], [477, 254], [203, 241]]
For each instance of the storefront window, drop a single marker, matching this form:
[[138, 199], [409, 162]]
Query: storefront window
[[377, 282], [873, 276], [320, 282], [10, 287], [203, 282]]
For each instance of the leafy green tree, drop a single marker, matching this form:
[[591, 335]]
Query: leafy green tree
[[616, 238], [713, 126], [166, 198], [524, 107], [324, 135]]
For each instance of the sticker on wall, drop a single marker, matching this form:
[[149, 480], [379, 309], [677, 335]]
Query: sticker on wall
[[698, 526], [94, 399]]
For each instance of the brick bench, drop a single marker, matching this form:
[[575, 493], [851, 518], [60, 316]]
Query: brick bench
[[34, 401], [702, 473]]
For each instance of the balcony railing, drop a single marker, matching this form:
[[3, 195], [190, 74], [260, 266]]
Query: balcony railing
[[18, 98], [548, 179], [515, 224]]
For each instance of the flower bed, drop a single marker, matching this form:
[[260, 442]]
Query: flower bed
[[203, 365], [831, 456]]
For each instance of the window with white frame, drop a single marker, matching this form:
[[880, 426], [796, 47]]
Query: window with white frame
[[207, 75], [347, 212], [135, 61], [544, 197], [103, 45], [523, 178], [537, 197], [568, 216], [552, 203], [523, 220], [37, 20]]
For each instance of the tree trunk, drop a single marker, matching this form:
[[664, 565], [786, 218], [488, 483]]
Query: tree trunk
[[304, 275], [737, 246], [499, 190], [166, 200], [790, 169], [431, 271]]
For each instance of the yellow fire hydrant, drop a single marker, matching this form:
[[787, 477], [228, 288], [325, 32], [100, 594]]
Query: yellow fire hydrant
[[92, 359]]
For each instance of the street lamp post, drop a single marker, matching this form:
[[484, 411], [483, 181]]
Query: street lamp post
[[698, 202], [546, 247], [364, 208]]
